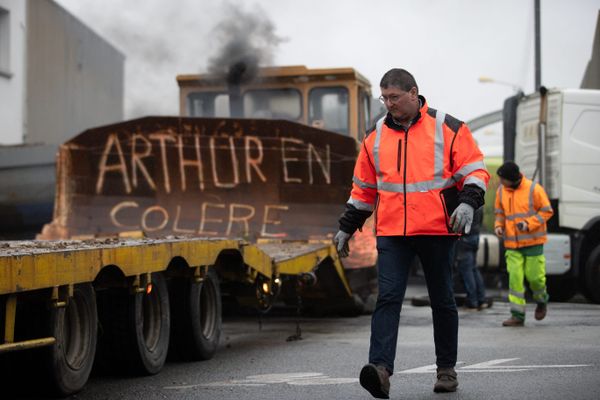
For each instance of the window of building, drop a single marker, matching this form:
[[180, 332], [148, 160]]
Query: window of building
[[4, 43]]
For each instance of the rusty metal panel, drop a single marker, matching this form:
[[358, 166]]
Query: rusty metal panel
[[242, 178]]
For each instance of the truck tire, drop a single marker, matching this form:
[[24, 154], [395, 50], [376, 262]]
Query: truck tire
[[592, 275], [135, 329], [197, 319], [69, 361]]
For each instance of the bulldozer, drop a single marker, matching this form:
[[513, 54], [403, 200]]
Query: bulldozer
[[266, 158]]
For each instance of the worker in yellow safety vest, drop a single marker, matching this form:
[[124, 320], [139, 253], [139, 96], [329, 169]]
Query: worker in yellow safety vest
[[522, 209]]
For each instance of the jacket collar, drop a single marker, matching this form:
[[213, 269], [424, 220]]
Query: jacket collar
[[519, 185], [391, 123]]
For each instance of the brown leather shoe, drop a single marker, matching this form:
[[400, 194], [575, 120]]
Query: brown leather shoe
[[513, 321], [446, 380], [540, 311], [376, 379]]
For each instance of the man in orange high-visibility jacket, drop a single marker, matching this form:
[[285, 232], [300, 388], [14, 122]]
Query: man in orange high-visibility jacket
[[423, 175], [522, 209]]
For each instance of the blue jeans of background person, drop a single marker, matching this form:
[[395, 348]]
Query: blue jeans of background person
[[466, 257], [395, 256]]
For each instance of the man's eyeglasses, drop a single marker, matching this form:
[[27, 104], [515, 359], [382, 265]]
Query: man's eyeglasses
[[393, 99]]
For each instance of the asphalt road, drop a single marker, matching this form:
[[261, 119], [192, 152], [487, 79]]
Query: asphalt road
[[557, 358]]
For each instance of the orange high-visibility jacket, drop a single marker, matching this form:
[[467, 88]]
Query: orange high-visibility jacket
[[411, 179], [528, 203]]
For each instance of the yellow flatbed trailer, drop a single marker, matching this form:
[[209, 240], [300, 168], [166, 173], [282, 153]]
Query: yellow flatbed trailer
[[126, 302]]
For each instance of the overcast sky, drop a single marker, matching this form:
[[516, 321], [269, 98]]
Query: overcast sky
[[446, 44]]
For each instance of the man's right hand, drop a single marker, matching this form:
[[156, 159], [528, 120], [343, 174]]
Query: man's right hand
[[499, 231], [341, 242]]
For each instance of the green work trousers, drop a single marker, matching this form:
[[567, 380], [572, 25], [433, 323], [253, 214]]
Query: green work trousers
[[520, 267]]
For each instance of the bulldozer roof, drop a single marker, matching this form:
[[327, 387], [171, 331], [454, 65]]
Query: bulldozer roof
[[292, 73]]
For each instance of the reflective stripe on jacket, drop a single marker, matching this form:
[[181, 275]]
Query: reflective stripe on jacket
[[528, 203], [411, 179]]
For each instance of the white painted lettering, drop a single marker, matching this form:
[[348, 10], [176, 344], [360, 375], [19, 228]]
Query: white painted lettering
[[253, 162], [113, 140], [204, 218], [162, 139], [136, 160], [285, 159], [325, 166], [176, 227], [234, 164], [268, 221], [119, 207], [183, 162], [240, 219], [155, 209]]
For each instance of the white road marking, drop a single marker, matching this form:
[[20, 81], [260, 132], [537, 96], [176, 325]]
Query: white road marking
[[491, 366], [323, 381], [295, 378], [284, 378], [427, 369], [317, 378]]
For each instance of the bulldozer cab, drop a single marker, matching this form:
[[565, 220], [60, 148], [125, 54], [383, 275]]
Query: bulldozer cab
[[336, 99]]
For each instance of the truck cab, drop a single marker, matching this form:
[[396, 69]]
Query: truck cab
[[572, 151], [333, 99]]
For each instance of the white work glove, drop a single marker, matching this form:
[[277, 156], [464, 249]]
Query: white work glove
[[522, 226], [462, 218], [341, 242]]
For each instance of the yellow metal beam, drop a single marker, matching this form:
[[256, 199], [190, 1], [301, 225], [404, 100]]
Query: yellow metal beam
[[32, 267], [41, 267], [27, 344], [9, 320]]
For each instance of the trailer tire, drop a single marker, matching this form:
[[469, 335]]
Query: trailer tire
[[135, 329], [70, 359], [150, 321], [197, 318], [592, 275]]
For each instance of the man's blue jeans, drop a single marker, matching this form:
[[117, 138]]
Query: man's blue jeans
[[395, 256], [466, 257]]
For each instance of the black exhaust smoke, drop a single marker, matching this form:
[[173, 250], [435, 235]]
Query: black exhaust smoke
[[247, 40]]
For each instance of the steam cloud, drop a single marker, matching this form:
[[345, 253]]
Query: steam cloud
[[246, 41]]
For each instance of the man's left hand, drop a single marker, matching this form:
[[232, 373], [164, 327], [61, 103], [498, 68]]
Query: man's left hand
[[462, 218], [341, 243]]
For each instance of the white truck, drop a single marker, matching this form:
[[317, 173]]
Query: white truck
[[554, 136]]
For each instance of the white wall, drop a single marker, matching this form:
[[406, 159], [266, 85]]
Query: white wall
[[74, 76], [12, 74]]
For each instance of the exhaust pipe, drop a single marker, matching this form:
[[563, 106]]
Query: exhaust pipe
[[236, 74]]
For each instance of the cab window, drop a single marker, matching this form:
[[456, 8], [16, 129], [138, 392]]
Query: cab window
[[273, 104], [208, 104], [364, 114], [329, 109]]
